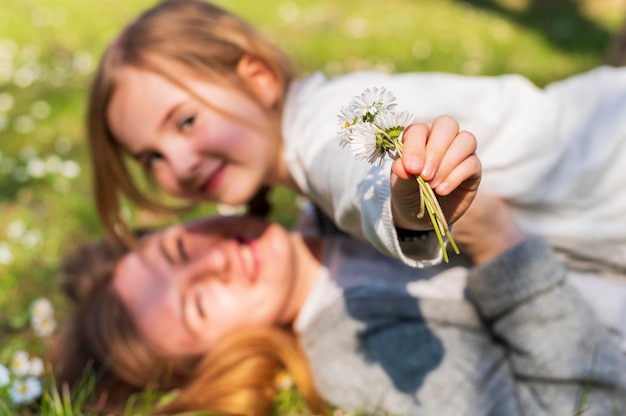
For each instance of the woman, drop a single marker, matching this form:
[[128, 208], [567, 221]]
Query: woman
[[214, 308]]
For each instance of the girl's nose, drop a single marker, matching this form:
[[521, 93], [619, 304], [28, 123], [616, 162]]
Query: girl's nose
[[183, 160]]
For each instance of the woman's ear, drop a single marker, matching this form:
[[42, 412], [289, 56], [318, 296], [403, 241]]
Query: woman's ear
[[260, 79]]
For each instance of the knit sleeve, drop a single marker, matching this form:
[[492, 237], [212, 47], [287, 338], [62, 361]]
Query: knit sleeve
[[556, 345]]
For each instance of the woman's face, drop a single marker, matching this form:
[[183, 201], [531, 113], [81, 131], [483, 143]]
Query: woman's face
[[194, 151], [189, 286]]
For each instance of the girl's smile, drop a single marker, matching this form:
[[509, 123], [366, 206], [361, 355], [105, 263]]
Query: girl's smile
[[217, 144]]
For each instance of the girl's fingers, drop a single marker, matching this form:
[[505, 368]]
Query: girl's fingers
[[443, 132], [466, 173], [426, 144], [438, 153], [463, 146], [414, 138]]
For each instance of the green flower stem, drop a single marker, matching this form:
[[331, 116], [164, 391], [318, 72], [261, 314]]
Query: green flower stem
[[440, 224], [439, 213], [428, 199], [436, 224], [430, 196]]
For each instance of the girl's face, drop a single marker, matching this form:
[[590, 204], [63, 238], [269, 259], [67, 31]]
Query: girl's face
[[194, 151], [188, 287]]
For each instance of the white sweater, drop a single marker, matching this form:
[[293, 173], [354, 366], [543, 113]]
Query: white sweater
[[557, 155]]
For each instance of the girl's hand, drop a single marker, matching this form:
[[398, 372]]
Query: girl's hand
[[445, 158], [487, 229]]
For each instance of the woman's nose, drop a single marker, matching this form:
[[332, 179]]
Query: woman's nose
[[214, 265]]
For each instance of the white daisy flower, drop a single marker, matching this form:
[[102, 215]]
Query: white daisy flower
[[363, 144], [26, 390], [16, 229], [347, 117], [41, 308], [344, 137], [394, 121], [346, 120], [6, 256], [5, 375], [43, 326], [70, 169], [36, 367], [372, 102], [20, 363]]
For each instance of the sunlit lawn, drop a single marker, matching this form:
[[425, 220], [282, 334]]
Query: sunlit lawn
[[48, 49]]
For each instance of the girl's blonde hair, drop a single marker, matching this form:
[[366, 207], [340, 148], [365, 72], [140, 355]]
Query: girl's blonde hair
[[237, 377], [203, 38]]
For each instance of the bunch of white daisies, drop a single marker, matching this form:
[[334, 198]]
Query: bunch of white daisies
[[372, 129]]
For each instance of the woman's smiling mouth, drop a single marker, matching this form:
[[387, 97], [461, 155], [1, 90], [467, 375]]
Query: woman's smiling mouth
[[249, 258]]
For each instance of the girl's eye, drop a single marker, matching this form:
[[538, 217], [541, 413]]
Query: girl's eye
[[150, 158], [186, 123]]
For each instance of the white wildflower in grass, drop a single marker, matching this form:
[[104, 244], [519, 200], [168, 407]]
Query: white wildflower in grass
[[41, 307], [372, 129], [43, 327], [16, 229], [36, 168], [6, 256], [5, 376], [70, 169], [20, 363], [53, 164], [25, 391], [35, 367], [32, 239], [42, 317]]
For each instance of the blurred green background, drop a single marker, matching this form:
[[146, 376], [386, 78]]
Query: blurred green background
[[49, 48]]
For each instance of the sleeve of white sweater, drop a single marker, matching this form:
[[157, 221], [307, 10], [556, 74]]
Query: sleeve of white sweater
[[353, 193], [556, 154]]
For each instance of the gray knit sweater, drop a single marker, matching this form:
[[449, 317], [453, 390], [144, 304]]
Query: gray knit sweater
[[519, 341]]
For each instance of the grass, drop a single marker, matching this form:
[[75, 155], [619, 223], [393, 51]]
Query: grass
[[48, 49]]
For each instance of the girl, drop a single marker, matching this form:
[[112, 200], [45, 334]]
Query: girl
[[218, 307], [212, 112], [209, 109]]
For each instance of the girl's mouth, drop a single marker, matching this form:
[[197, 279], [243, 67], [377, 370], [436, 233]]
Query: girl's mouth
[[213, 181]]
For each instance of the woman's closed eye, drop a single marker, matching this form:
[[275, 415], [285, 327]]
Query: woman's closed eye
[[182, 253], [174, 256], [199, 307]]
